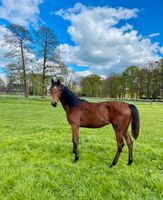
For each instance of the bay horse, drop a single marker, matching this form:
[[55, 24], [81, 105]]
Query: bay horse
[[81, 113]]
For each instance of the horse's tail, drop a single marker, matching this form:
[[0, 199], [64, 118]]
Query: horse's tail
[[135, 120]]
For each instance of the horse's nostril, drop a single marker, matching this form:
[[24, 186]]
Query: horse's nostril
[[54, 104]]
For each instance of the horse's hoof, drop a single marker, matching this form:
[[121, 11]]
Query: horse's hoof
[[76, 158], [113, 164], [74, 161], [130, 162]]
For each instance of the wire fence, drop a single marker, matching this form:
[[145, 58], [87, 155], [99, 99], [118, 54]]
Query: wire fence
[[91, 99], [128, 100]]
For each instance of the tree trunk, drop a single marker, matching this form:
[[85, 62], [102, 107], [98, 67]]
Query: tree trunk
[[161, 66], [44, 74], [44, 69], [148, 84], [24, 73], [43, 78]]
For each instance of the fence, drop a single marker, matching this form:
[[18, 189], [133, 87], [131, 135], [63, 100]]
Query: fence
[[91, 99], [129, 100]]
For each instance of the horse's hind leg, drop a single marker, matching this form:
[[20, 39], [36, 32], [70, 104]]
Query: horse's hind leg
[[120, 144], [75, 130], [130, 146]]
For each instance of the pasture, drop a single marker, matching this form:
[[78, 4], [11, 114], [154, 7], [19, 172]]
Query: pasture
[[36, 156]]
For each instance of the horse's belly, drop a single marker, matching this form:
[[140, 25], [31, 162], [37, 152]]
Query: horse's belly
[[94, 123]]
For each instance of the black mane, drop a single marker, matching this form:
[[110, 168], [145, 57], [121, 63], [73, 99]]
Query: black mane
[[70, 98]]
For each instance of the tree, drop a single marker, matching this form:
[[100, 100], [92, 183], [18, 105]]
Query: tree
[[2, 85], [35, 87], [1, 82], [18, 41], [160, 65], [155, 79], [112, 86], [142, 80], [91, 85], [130, 77], [46, 42], [152, 79]]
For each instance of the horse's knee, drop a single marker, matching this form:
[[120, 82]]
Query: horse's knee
[[130, 145], [120, 146], [75, 146], [75, 141]]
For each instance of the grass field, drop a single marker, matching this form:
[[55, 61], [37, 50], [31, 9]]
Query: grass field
[[36, 156]]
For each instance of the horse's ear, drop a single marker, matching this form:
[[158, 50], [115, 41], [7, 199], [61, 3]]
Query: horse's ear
[[52, 81], [58, 82]]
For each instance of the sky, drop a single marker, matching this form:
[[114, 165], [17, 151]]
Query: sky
[[96, 36]]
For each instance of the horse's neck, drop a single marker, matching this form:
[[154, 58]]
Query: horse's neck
[[65, 105], [68, 99]]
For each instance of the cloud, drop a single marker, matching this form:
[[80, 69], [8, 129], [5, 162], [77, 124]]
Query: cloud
[[104, 40], [82, 73], [4, 48], [161, 50], [3, 77], [154, 35], [73, 76], [20, 12]]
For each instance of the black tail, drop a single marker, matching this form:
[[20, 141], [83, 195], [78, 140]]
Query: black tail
[[135, 121]]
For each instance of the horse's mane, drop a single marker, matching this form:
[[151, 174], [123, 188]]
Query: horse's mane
[[70, 98]]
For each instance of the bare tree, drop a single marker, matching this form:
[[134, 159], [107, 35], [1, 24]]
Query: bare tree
[[161, 76], [46, 42], [18, 40]]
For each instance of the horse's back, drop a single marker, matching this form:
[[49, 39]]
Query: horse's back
[[108, 112]]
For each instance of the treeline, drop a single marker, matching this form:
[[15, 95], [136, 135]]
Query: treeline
[[33, 59], [134, 82]]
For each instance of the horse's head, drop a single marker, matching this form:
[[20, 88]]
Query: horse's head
[[56, 91]]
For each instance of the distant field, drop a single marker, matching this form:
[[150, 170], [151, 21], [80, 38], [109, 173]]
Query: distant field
[[36, 156]]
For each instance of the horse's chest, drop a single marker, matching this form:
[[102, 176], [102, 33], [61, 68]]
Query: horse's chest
[[73, 117]]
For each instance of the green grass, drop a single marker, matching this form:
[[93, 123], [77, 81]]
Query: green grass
[[36, 156]]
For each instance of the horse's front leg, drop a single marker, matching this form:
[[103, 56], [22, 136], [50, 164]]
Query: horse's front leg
[[75, 131]]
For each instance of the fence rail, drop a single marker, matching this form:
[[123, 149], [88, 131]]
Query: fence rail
[[91, 99], [133, 100]]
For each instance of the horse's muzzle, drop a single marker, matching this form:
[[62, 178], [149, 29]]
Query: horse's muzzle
[[54, 104]]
